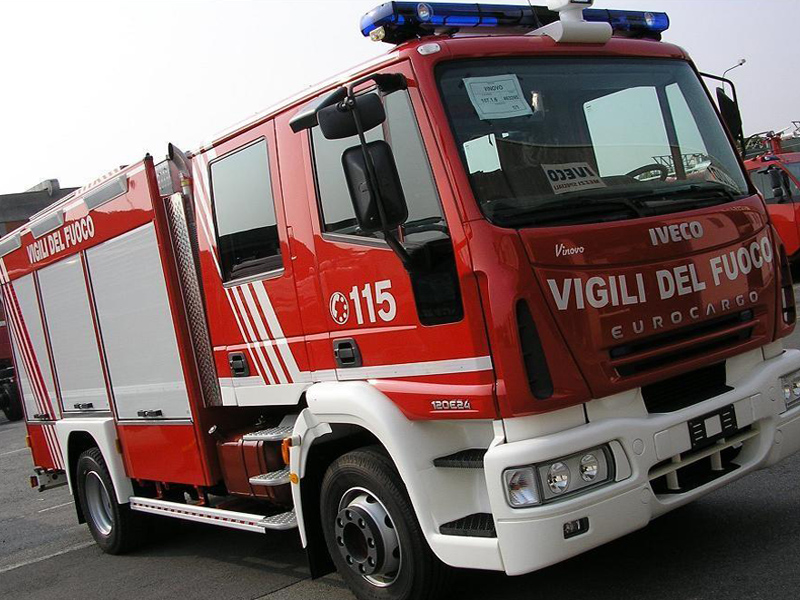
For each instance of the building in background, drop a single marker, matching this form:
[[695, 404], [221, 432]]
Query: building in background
[[16, 209]]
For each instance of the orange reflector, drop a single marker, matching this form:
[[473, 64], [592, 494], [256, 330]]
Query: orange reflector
[[34, 481], [294, 478], [285, 445], [28, 441]]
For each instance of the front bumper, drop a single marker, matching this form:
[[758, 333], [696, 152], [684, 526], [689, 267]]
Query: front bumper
[[533, 538]]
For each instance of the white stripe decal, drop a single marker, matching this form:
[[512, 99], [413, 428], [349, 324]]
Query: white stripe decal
[[249, 346], [255, 315], [251, 335], [418, 369], [277, 332]]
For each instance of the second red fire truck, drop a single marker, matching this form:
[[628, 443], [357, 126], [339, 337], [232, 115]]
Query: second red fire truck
[[776, 174], [491, 300]]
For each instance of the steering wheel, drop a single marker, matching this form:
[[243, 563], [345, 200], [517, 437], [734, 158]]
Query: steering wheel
[[647, 168]]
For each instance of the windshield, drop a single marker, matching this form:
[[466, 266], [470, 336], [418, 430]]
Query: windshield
[[557, 141]]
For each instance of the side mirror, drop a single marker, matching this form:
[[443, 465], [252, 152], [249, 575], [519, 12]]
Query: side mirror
[[776, 182], [337, 123], [390, 190], [731, 115]]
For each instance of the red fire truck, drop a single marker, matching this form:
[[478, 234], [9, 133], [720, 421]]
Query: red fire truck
[[776, 174], [446, 311]]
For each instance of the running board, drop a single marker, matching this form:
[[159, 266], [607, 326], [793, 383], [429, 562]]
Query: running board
[[215, 516], [271, 479], [273, 434]]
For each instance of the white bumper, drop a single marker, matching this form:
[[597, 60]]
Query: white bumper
[[533, 538]]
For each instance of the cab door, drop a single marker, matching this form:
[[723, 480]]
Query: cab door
[[248, 280], [416, 336]]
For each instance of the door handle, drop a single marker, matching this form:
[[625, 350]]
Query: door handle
[[42, 416], [150, 414], [346, 353], [238, 364], [83, 405]]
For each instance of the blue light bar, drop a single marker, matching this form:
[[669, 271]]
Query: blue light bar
[[401, 21]]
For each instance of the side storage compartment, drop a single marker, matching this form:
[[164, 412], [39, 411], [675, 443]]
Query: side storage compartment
[[73, 340], [144, 364]]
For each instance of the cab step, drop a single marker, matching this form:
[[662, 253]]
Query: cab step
[[465, 459], [215, 516], [273, 434], [272, 478], [477, 525]]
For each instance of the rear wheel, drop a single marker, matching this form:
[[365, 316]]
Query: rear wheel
[[115, 527], [372, 532]]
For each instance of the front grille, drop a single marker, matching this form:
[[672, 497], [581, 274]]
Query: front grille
[[661, 350], [685, 390], [696, 468]]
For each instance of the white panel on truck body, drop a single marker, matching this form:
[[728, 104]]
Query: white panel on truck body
[[136, 326], [72, 336], [21, 372], [25, 291]]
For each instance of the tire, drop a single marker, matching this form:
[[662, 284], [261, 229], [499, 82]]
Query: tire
[[12, 405], [358, 489], [115, 527]]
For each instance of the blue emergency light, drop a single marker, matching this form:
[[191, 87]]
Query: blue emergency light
[[396, 22]]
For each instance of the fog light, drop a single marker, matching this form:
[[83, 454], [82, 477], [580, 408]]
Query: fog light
[[590, 466], [558, 478], [791, 389], [521, 487]]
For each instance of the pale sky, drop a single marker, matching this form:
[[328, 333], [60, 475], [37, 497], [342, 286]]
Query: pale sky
[[86, 86]]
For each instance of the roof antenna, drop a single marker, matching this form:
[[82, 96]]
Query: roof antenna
[[571, 27]]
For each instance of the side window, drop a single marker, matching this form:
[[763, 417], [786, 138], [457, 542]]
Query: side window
[[244, 211], [412, 164], [762, 182], [338, 215], [402, 133]]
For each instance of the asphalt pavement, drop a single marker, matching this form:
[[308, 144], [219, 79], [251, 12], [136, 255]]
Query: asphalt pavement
[[741, 542]]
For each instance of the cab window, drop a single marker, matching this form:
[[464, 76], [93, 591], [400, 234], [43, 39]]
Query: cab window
[[244, 213], [401, 131]]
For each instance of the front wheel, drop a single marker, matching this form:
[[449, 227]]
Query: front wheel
[[372, 532], [115, 527]]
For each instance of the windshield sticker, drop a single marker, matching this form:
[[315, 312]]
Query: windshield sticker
[[718, 175], [498, 97], [571, 177]]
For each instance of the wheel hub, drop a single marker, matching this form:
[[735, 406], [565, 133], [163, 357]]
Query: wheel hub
[[98, 502], [366, 538]]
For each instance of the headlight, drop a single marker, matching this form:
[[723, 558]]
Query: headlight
[[590, 467], [547, 482], [558, 478], [522, 489], [791, 389]]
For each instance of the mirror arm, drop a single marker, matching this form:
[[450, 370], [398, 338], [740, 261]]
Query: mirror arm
[[349, 103]]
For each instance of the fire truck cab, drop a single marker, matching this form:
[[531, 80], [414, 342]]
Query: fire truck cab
[[489, 301]]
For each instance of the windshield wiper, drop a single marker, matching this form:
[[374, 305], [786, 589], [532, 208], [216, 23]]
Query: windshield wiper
[[615, 205], [573, 211], [692, 191]]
